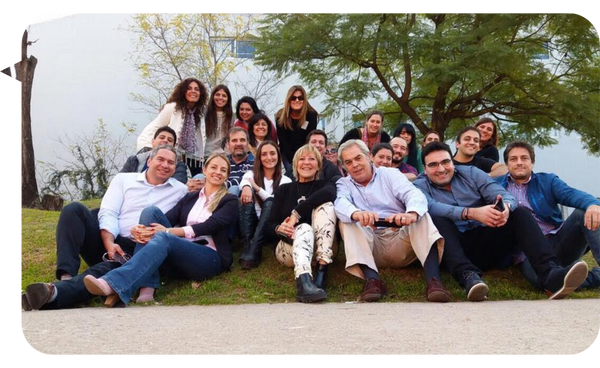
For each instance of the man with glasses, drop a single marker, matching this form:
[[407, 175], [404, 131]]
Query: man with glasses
[[407, 234], [104, 239], [483, 226]]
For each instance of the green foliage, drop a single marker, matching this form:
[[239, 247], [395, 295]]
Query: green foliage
[[92, 161], [445, 71]]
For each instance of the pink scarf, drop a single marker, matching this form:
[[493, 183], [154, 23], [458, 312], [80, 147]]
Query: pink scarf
[[365, 138]]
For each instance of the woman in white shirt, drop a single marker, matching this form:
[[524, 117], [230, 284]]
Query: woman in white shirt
[[182, 113], [218, 119], [257, 197]]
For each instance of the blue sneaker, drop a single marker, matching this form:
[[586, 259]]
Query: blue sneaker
[[475, 288]]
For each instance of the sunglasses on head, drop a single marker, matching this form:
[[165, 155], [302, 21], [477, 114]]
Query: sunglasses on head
[[299, 98]]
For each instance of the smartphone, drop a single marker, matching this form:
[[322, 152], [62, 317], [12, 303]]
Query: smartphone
[[384, 223], [499, 205]]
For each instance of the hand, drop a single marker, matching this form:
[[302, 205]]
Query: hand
[[195, 185], [287, 228], [246, 196], [592, 217], [157, 228], [489, 216], [113, 248], [365, 218], [403, 219], [141, 234]]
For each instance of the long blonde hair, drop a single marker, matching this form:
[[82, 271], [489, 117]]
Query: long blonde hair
[[283, 115], [222, 191]]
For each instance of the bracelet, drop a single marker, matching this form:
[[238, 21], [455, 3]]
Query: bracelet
[[294, 212], [167, 231]]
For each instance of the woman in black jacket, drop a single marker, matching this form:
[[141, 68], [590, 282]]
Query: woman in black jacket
[[303, 217], [190, 241], [372, 133]]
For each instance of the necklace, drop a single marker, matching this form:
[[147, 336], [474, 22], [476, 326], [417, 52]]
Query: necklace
[[303, 198]]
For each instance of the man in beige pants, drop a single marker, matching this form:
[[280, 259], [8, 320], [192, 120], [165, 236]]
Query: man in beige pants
[[369, 194]]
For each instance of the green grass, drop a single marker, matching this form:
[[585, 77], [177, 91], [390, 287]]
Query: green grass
[[271, 282]]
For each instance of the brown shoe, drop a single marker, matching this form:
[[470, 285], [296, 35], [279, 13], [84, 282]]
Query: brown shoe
[[373, 290], [436, 292], [36, 295]]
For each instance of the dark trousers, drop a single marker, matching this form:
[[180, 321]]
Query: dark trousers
[[78, 233], [73, 292], [484, 247]]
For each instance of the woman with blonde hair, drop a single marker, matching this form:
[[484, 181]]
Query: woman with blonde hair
[[294, 121], [189, 242], [303, 217]]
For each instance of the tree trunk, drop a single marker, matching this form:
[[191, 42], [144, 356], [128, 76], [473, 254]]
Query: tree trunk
[[25, 69], [52, 202]]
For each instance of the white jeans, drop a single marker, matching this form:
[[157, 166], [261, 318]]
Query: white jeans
[[318, 238]]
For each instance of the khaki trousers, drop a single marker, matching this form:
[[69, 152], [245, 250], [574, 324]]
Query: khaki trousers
[[317, 239], [389, 247]]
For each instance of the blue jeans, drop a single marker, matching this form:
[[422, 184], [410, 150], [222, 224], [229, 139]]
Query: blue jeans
[[569, 244], [178, 256]]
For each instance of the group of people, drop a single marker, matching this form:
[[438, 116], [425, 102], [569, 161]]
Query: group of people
[[175, 208]]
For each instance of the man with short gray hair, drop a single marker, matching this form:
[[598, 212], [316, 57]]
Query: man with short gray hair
[[369, 195]]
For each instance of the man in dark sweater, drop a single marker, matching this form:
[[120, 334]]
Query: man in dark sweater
[[241, 159], [467, 145], [318, 139]]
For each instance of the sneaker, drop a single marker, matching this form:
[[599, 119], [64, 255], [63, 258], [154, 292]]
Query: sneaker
[[373, 290], [436, 292], [562, 281], [475, 288]]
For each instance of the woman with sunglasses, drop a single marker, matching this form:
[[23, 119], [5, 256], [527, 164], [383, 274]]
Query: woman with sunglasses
[[245, 109], [259, 130], [331, 156], [371, 133], [218, 119], [407, 132], [488, 143], [294, 121]]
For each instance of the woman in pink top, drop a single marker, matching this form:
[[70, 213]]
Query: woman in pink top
[[189, 242]]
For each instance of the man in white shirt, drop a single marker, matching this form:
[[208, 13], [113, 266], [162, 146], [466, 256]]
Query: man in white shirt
[[369, 194], [80, 232]]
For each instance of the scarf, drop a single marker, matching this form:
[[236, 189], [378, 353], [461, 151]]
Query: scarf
[[365, 138], [187, 136]]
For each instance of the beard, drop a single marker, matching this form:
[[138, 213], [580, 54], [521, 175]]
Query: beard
[[396, 161]]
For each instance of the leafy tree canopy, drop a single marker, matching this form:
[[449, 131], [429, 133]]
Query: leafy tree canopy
[[532, 72]]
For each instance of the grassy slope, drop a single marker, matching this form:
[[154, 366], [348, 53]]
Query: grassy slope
[[271, 282]]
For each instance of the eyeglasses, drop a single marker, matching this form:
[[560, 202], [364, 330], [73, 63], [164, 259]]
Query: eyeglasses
[[434, 165], [330, 151], [299, 98]]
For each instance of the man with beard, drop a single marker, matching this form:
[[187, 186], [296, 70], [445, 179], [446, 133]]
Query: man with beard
[[400, 151], [467, 145], [240, 158]]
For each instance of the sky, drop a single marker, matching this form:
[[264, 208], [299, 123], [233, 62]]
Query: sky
[[85, 73]]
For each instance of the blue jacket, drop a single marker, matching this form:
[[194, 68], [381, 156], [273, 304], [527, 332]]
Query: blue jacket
[[546, 191]]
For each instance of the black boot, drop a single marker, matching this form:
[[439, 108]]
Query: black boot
[[321, 276], [249, 257], [307, 292]]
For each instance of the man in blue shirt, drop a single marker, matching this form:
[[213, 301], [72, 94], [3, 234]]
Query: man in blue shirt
[[541, 193], [369, 194], [479, 235], [81, 232]]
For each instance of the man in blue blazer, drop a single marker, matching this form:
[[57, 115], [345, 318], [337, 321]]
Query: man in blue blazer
[[541, 193]]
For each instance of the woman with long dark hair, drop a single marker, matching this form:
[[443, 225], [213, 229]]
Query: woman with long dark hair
[[407, 132], [257, 197], [371, 133], [259, 130], [182, 113], [218, 119], [245, 109]]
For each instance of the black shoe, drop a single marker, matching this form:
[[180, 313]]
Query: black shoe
[[562, 281], [475, 288], [307, 292], [36, 295], [321, 276]]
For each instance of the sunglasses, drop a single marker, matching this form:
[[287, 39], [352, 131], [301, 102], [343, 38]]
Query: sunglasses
[[297, 98], [329, 151]]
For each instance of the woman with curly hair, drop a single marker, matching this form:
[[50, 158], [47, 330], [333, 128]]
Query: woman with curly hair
[[259, 130], [182, 113]]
